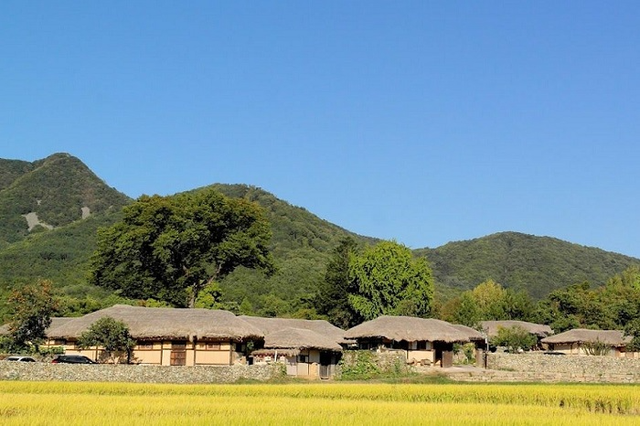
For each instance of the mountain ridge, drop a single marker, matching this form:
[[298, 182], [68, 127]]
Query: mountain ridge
[[302, 243]]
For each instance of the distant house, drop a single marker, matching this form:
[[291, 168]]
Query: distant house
[[309, 348], [427, 341], [581, 341], [167, 336]]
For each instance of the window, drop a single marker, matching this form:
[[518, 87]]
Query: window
[[145, 346], [303, 358], [422, 345], [213, 346], [179, 345], [59, 342]]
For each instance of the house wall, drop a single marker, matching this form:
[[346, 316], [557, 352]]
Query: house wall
[[577, 349], [159, 353]]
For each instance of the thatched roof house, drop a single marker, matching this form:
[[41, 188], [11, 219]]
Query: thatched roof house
[[165, 323], [491, 327], [613, 338], [408, 329], [298, 338], [290, 333]]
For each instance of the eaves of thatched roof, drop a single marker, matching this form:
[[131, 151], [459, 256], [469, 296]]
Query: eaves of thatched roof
[[165, 323], [473, 334], [491, 327], [614, 338], [409, 329]]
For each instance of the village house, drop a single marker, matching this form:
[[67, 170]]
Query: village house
[[424, 341], [167, 336], [308, 348], [581, 341]]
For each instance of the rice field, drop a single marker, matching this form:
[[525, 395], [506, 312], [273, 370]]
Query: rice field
[[46, 403]]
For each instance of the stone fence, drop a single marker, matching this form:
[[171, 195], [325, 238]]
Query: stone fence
[[538, 367], [41, 371]]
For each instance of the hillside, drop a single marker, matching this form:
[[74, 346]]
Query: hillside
[[536, 264], [58, 187], [50, 193]]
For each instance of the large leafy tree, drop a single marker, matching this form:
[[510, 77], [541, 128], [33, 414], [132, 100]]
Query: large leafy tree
[[30, 309], [332, 300], [386, 279], [111, 335], [170, 248]]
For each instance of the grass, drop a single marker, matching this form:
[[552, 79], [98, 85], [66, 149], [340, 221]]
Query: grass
[[40, 403]]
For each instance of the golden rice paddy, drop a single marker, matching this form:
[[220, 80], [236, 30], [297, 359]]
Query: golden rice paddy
[[50, 403]]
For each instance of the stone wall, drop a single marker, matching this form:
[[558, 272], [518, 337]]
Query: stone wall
[[41, 371], [537, 367]]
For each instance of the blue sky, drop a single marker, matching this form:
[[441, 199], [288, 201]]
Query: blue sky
[[424, 122]]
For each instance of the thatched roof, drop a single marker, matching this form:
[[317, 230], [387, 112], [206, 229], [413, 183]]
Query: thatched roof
[[55, 322], [473, 334], [291, 333], [614, 338], [298, 338], [491, 327], [321, 327], [165, 323], [409, 329]]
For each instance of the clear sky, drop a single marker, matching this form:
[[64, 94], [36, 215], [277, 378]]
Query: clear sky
[[420, 121]]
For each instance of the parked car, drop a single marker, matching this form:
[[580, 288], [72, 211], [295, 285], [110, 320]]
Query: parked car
[[72, 359], [20, 358]]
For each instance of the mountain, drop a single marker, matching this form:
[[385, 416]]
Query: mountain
[[63, 194], [50, 193], [538, 265]]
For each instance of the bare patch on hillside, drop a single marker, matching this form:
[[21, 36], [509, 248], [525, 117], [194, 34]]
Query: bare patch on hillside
[[86, 212], [33, 221]]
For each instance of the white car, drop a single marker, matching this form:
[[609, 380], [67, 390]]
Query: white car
[[20, 358]]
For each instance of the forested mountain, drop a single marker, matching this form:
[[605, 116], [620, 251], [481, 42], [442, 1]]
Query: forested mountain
[[538, 265], [50, 193], [60, 188]]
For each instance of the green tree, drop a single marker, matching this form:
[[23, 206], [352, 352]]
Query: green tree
[[170, 248], [490, 299], [514, 338], [30, 308], [387, 280], [332, 299], [462, 310], [111, 335]]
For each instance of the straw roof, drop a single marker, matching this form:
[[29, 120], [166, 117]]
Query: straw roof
[[409, 329], [322, 327], [473, 334], [298, 334], [165, 323], [579, 335], [55, 322], [298, 338], [491, 327]]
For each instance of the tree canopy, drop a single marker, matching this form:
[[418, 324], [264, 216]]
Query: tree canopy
[[111, 335], [170, 248], [387, 280], [30, 308], [333, 293]]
